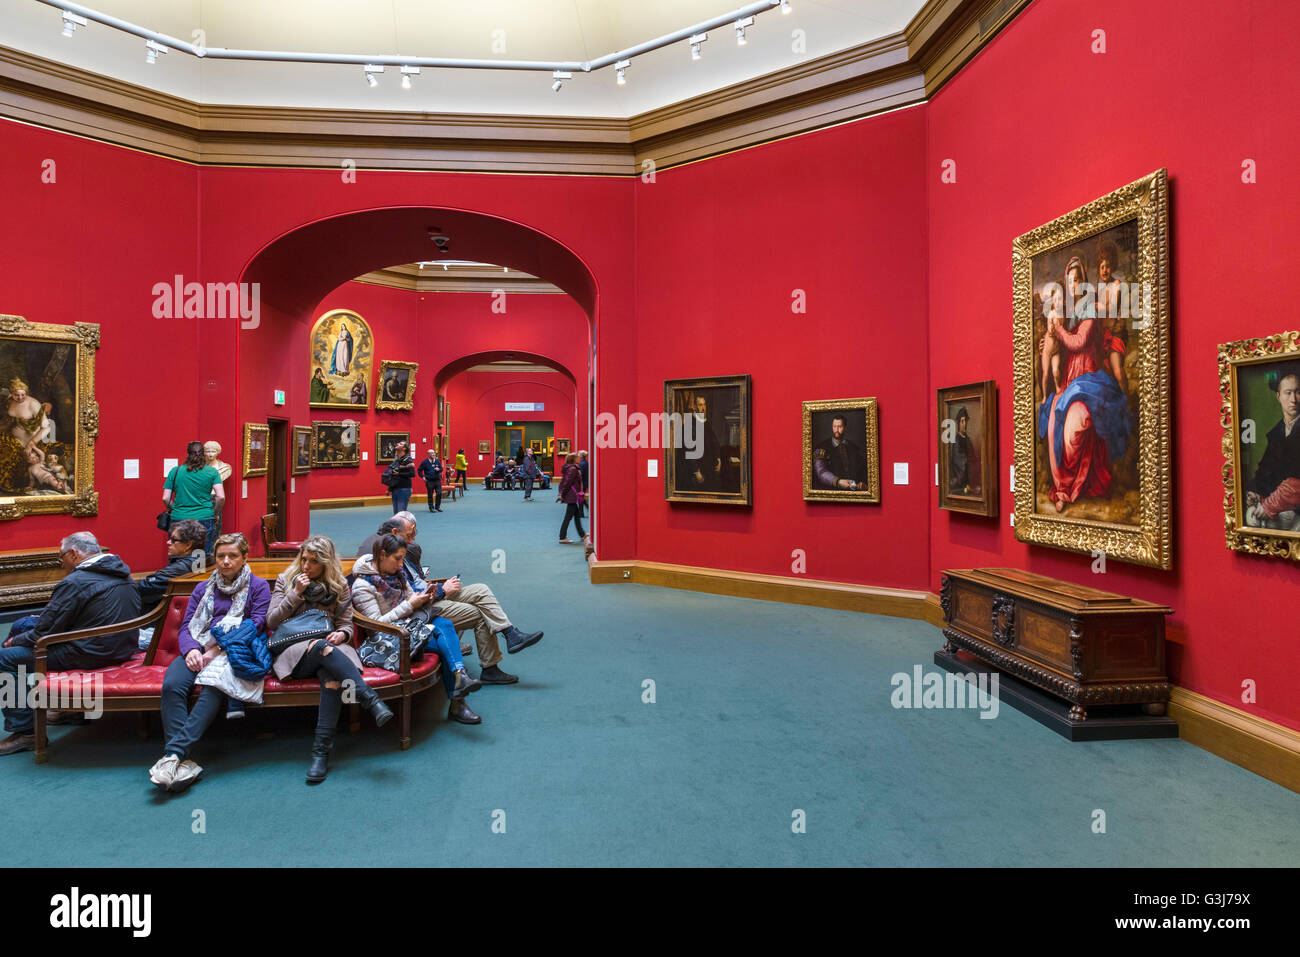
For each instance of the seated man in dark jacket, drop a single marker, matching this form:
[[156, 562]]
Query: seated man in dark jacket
[[186, 538], [96, 591]]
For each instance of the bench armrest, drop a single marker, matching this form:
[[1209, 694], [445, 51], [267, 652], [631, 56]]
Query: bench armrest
[[404, 640], [155, 614]]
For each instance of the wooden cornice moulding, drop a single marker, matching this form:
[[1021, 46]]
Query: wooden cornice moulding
[[885, 74], [1268, 749]]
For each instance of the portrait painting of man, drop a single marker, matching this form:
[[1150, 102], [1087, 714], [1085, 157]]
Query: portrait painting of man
[[841, 450], [707, 440]]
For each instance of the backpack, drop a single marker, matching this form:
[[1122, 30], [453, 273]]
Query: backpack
[[389, 478]]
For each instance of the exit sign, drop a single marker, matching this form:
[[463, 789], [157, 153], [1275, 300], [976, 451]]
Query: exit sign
[[279, 397]]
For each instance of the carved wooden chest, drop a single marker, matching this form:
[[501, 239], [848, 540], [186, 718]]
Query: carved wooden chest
[[1089, 647]]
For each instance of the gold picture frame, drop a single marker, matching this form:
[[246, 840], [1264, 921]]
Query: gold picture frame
[[301, 450], [861, 423], [968, 453], [41, 351], [384, 443], [398, 377], [257, 437], [1120, 505], [726, 441], [335, 445], [1248, 420], [328, 388]]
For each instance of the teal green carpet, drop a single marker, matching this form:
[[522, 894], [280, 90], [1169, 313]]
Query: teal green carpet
[[761, 709]]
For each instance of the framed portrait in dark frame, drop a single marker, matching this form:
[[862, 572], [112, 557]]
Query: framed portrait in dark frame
[[707, 459], [968, 448]]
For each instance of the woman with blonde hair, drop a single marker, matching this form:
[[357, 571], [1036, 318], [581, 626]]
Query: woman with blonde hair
[[310, 623]]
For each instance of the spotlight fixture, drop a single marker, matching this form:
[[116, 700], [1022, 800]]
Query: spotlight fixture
[[696, 40], [621, 66], [371, 69], [407, 73], [740, 30], [785, 7], [70, 23], [151, 50], [560, 76]]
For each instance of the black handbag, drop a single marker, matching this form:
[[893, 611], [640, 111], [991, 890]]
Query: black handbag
[[313, 623], [164, 521]]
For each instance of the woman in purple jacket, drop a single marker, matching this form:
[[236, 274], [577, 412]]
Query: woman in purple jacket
[[232, 595], [571, 495]]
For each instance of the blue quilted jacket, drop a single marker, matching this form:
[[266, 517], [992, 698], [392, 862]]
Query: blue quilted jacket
[[245, 646]]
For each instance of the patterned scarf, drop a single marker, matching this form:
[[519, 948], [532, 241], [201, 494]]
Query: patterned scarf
[[237, 591], [391, 588]]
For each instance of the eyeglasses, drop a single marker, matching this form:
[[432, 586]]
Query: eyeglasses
[[66, 551]]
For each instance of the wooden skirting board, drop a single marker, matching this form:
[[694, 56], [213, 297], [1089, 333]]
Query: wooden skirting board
[[1268, 749]]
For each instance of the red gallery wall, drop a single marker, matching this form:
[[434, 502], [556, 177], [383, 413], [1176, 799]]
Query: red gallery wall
[[478, 399], [723, 247], [1038, 125], [89, 247]]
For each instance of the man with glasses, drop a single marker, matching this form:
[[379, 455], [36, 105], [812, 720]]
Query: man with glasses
[[96, 591]]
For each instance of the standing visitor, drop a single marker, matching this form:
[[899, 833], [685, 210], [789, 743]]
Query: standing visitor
[[571, 495], [401, 470], [431, 471], [194, 490], [462, 470]]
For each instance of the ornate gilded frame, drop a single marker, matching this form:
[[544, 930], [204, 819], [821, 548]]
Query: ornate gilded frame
[[985, 504], [379, 438], [674, 494], [1232, 356], [409, 402], [301, 431], [84, 338], [251, 429], [354, 317], [871, 444], [316, 462], [1150, 541]]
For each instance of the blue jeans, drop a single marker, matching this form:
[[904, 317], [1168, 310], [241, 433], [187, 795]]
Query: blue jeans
[[182, 727], [448, 642], [211, 525], [19, 720], [401, 499], [528, 486]]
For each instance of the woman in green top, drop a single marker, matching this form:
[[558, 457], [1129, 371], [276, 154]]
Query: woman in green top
[[190, 491]]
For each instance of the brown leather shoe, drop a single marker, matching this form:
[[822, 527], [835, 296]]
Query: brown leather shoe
[[18, 742], [460, 711], [66, 717]]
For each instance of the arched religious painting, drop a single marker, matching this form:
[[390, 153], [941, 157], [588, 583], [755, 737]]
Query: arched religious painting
[[342, 357]]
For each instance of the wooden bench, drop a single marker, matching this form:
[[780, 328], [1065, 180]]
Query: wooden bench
[[136, 684]]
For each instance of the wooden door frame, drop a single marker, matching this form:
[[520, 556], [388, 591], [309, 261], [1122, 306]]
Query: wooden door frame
[[279, 467]]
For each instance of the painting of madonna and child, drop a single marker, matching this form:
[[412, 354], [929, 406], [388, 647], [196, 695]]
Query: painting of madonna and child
[[1087, 378]]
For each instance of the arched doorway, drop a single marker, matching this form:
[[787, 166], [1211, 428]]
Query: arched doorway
[[298, 269]]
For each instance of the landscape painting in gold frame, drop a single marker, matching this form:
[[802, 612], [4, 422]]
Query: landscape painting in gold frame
[[1091, 371]]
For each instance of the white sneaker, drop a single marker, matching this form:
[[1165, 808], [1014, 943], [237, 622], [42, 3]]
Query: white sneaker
[[186, 774], [164, 771]]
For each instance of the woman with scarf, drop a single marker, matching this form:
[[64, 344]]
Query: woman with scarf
[[314, 584], [382, 592], [230, 597]]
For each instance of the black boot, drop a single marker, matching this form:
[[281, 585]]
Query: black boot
[[459, 711], [517, 640], [464, 684], [369, 699], [320, 756]]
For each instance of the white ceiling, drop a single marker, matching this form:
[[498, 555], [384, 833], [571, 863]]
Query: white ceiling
[[534, 30]]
